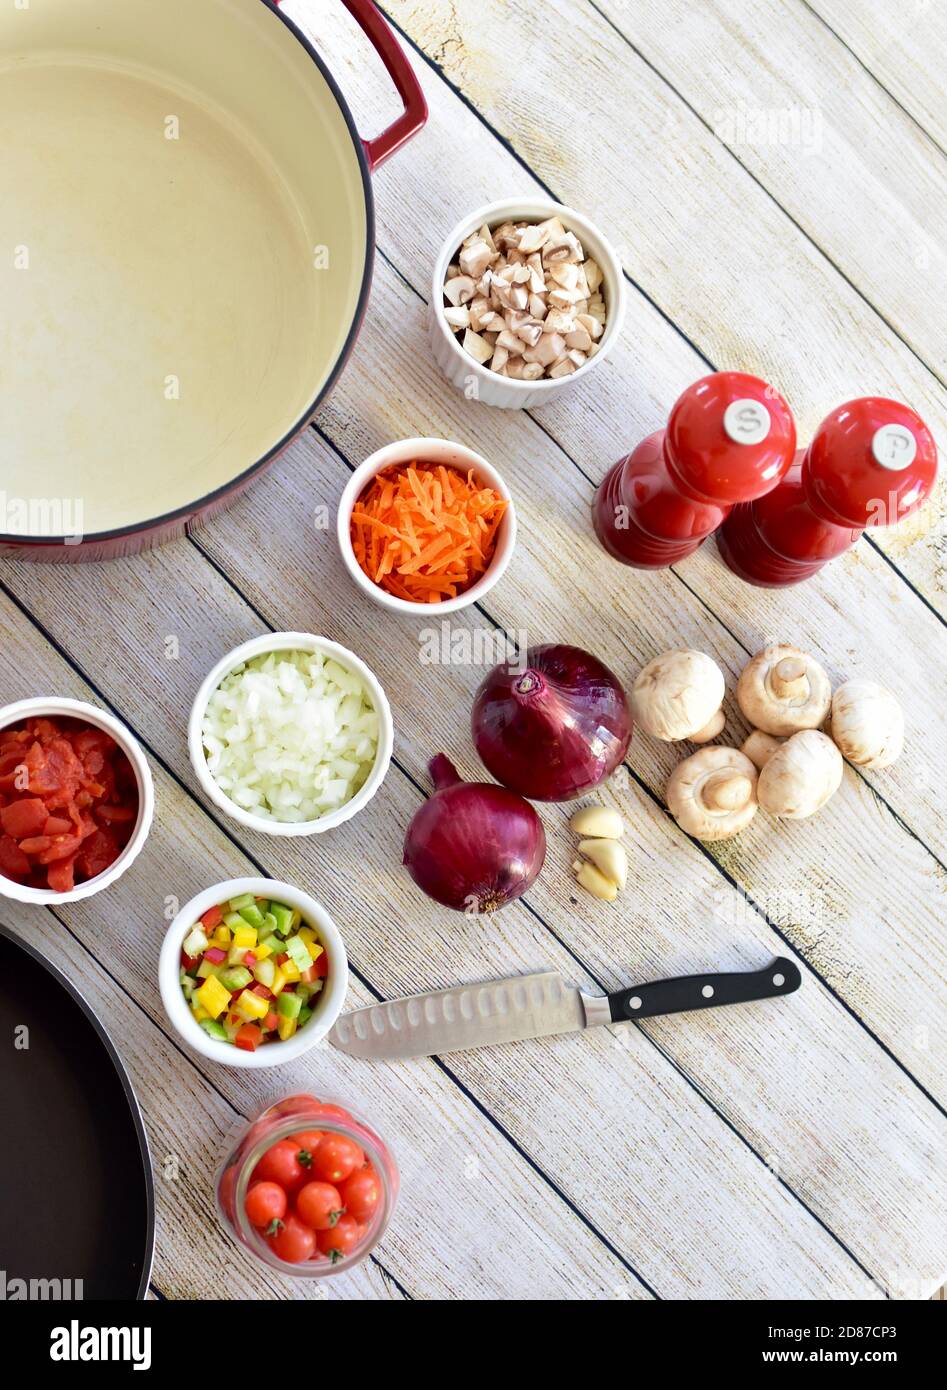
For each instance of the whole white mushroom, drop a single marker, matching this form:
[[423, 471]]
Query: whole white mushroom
[[867, 724], [799, 776], [783, 690], [678, 695], [712, 794]]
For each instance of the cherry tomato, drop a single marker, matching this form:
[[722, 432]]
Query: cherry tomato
[[294, 1242], [361, 1194], [307, 1139], [341, 1240], [280, 1164], [295, 1105], [226, 1190], [332, 1112], [319, 1205], [336, 1157], [266, 1202]]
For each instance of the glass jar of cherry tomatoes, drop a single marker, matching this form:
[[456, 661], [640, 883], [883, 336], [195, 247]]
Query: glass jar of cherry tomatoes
[[309, 1188]]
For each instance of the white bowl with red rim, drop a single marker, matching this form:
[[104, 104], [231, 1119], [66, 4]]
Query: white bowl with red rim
[[451, 455], [328, 1003], [54, 707]]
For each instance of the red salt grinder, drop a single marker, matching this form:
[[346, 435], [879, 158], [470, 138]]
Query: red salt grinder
[[871, 462], [729, 438]]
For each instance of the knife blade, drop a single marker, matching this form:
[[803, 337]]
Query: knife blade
[[537, 1006]]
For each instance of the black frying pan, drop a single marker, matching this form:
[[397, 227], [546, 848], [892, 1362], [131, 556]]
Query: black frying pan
[[76, 1187]]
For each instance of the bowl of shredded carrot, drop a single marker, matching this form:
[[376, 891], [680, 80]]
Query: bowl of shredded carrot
[[426, 524]]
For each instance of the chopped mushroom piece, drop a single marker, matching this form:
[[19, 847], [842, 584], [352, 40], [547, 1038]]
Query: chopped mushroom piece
[[783, 690], [530, 286], [867, 724], [760, 747], [800, 776], [712, 794]]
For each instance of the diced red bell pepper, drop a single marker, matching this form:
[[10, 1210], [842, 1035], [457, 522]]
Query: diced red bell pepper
[[24, 818], [212, 917], [321, 966], [249, 960], [272, 1020], [259, 989], [248, 1037], [190, 962]]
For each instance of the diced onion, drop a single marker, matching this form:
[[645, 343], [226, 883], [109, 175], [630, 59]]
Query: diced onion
[[290, 735]]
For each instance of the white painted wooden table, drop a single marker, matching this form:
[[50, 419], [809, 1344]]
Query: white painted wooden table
[[761, 1152]]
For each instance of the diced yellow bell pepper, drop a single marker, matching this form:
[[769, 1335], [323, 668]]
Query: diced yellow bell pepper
[[199, 1012], [315, 950], [286, 1027], [213, 996], [290, 970], [279, 981], [307, 934], [222, 935], [251, 1006], [261, 952], [245, 936]]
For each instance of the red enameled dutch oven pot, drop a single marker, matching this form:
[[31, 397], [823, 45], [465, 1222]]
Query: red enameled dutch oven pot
[[190, 213]]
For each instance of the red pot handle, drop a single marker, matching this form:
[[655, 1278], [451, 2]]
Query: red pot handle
[[401, 73]]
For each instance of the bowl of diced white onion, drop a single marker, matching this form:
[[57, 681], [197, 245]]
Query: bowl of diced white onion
[[291, 734]]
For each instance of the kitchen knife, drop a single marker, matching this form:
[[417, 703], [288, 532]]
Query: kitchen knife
[[536, 1006]]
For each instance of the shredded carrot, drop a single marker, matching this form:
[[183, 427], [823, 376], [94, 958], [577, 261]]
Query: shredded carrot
[[425, 532]]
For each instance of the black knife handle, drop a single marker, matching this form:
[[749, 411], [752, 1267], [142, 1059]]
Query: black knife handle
[[704, 991]]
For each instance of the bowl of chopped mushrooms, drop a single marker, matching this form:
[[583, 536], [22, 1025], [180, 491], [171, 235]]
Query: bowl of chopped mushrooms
[[527, 298]]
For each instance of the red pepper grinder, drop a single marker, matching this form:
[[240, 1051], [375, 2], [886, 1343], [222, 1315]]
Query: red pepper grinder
[[729, 438], [871, 462]]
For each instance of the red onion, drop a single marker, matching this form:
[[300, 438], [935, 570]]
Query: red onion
[[554, 730], [473, 846]]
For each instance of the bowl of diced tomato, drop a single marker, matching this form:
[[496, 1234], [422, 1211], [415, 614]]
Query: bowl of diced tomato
[[76, 800], [253, 972], [309, 1187]]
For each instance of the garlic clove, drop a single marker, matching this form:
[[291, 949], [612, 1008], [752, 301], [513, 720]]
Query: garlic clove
[[609, 858], [598, 822], [597, 884]]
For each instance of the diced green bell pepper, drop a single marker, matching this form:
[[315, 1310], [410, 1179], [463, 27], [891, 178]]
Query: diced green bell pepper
[[214, 1029], [305, 1014], [243, 900], [298, 952], [235, 977], [283, 915], [252, 915], [289, 1005]]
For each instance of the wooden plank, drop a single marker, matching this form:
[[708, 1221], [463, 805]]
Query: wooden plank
[[592, 1114], [704, 242], [730, 1062], [188, 1122], [896, 44], [822, 137]]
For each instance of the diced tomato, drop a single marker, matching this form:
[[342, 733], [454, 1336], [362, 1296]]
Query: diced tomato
[[24, 818], [212, 917], [321, 966], [58, 825], [13, 862], [62, 875], [98, 852], [271, 1020], [109, 815], [62, 847], [249, 1037]]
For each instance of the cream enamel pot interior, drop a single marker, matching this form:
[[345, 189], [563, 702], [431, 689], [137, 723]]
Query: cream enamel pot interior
[[188, 213]]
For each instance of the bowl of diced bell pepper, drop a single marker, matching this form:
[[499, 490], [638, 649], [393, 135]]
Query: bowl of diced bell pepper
[[253, 972]]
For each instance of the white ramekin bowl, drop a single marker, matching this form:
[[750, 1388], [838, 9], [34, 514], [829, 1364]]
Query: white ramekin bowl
[[479, 382], [52, 707], [426, 451], [291, 641], [330, 1000]]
